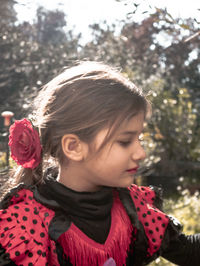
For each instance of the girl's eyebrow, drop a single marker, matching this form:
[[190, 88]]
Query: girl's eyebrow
[[129, 133]]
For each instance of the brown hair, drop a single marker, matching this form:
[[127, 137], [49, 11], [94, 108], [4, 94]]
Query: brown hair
[[82, 100]]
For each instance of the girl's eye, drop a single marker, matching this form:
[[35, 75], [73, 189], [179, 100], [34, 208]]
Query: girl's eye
[[124, 143]]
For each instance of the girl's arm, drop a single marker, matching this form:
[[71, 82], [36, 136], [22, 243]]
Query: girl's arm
[[182, 249], [176, 247]]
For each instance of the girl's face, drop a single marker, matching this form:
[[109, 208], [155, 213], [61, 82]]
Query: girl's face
[[117, 162]]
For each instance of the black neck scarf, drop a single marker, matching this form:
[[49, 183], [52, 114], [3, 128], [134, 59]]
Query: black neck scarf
[[89, 211]]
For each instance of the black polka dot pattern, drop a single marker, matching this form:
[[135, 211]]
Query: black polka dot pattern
[[154, 221], [24, 231]]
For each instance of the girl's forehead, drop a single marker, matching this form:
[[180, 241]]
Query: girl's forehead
[[133, 124]]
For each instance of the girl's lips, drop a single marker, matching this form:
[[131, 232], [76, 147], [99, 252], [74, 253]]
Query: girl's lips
[[132, 171]]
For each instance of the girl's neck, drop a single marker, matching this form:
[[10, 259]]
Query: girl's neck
[[74, 178]]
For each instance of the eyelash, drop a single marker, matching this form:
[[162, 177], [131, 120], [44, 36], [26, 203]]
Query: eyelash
[[124, 143]]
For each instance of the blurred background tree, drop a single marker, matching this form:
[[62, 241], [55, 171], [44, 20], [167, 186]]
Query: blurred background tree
[[31, 54], [160, 53]]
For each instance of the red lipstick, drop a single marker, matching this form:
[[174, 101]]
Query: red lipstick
[[132, 170]]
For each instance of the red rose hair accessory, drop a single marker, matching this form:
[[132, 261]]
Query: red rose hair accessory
[[24, 142]]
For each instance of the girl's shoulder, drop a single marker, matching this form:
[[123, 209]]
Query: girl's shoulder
[[144, 207], [148, 195], [24, 227], [148, 204], [21, 203]]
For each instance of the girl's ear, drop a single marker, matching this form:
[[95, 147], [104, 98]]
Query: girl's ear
[[73, 148]]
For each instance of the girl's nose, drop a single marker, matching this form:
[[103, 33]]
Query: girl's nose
[[138, 153]]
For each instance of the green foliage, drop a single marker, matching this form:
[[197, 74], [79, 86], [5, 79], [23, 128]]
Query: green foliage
[[187, 210], [2, 160], [3, 163], [174, 130], [161, 262], [31, 54], [141, 47], [174, 125]]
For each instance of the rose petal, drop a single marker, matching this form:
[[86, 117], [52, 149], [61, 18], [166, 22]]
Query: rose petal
[[24, 142]]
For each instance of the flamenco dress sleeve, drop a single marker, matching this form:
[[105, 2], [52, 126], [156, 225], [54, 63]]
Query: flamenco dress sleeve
[[158, 234], [179, 248], [152, 222], [176, 247], [23, 231]]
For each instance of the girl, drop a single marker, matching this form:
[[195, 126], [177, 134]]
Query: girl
[[86, 211]]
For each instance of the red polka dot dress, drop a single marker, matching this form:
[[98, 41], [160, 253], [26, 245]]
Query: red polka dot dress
[[24, 231], [153, 220], [56, 226]]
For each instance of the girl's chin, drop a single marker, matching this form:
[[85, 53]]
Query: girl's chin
[[129, 182]]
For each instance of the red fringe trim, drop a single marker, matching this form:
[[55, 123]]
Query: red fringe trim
[[84, 251]]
